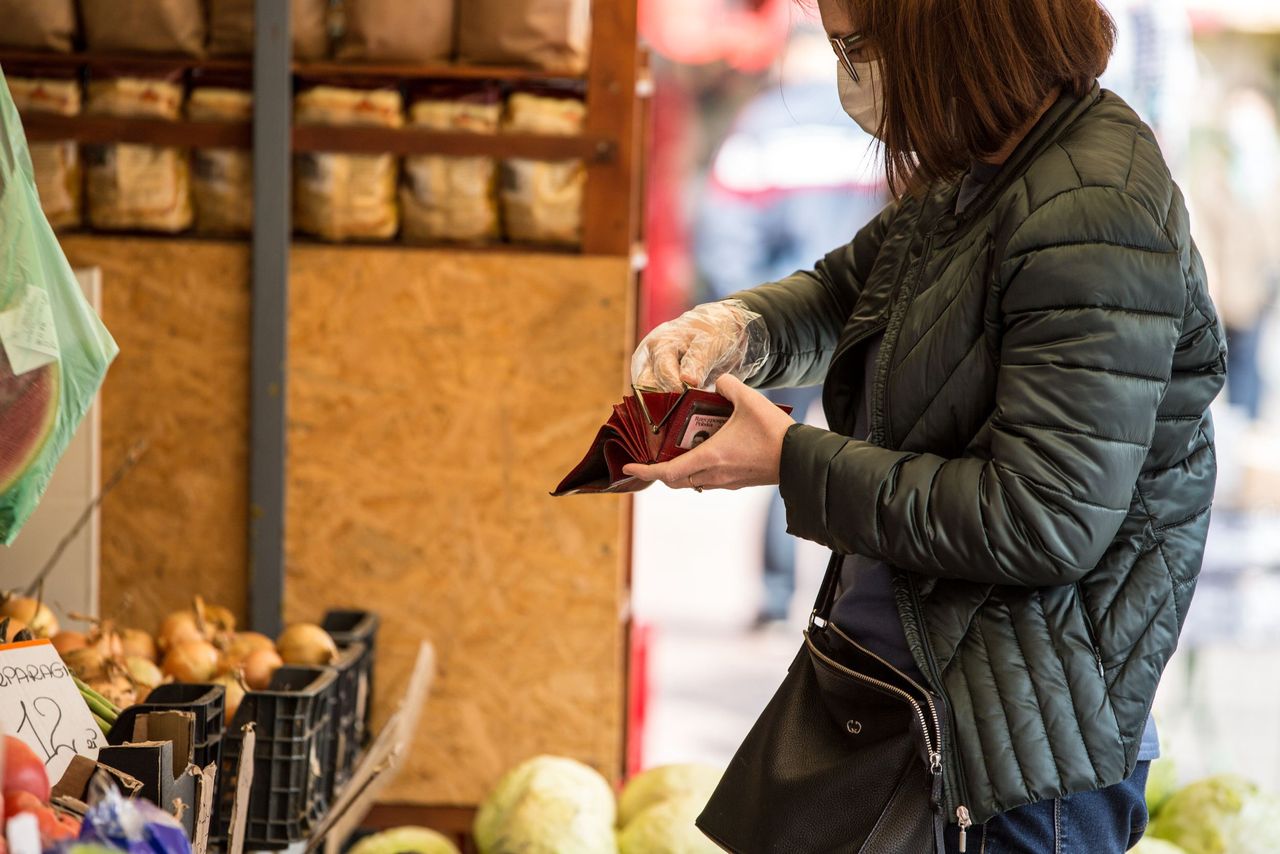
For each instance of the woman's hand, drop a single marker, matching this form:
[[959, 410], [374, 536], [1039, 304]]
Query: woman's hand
[[700, 346], [747, 450]]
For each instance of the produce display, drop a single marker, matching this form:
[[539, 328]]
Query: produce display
[[400, 840], [26, 790], [1224, 814], [560, 806]]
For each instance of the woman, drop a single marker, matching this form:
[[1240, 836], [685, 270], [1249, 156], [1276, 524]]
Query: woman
[[1018, 357]]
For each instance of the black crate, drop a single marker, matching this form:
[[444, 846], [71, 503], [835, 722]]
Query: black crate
[[205, 702], [346, 628], [294, 732], [348, 715]]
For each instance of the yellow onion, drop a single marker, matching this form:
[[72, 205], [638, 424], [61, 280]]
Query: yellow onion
[[15, 625], [217, 618], [258, 668], [143, 672], [106, 641], [191, 661], [235, 693], [241, 645], [179, 627], [306, 643], [66, 641], [137, 644], [36, 615], [118, 690], [87, 663]]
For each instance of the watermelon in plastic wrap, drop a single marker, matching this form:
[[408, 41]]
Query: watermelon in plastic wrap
[[54, 350]]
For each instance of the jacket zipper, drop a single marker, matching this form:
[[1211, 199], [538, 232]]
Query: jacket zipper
[[906, 290], [1088, 630], [935, 756], [963, 818]]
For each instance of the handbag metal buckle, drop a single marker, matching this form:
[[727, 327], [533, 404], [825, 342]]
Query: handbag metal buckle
[[644, 407]]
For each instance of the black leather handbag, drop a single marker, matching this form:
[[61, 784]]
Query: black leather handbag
[[845, 758]]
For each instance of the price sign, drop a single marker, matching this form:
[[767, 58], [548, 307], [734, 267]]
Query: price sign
[[40, 704]]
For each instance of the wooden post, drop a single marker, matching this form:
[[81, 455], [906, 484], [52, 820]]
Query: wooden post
[[609, 224]]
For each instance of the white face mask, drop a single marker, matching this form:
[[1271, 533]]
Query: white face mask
[[862, 99]]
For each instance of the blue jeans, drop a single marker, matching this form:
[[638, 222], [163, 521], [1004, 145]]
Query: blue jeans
[[1108, 821]]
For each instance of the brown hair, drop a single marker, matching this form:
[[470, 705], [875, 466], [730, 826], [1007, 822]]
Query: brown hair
[[960, 77]]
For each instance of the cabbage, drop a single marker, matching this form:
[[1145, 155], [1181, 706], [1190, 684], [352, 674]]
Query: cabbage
[[666, 828], [1255, 828], [1149, 845], [1201, 817], [403, 840], [668, 782], [1162, 782], [547, 805]]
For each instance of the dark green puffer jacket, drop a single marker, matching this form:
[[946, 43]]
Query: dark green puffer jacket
[[1041, 465]]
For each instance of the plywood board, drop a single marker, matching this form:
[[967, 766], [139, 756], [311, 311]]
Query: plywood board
[[179, 310], [435, 397]]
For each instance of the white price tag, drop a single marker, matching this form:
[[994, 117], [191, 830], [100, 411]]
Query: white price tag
[[40, 704]]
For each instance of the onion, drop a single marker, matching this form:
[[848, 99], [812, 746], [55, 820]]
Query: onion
[[259, 666], [87, 663], [235, 693], [179, 627], [66, 641], [241, 645], [137, 644], [219, 619], [306, 643], [36, 615], [191, 661], [106, 641], [143, 672], [118, 690], [15, 626]]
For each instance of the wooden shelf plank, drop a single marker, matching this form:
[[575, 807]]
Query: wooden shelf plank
[[108, 129], [305, 70], [424, 71], [411, 140], [357, 140]]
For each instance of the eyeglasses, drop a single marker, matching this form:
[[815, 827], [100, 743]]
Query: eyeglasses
[[847, 47]]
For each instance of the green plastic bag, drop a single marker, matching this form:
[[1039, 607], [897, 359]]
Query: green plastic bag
[[54, 350]]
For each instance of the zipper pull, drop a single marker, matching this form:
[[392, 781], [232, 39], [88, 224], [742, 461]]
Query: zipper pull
[[935, 762], [1097, 656], [962, 814]]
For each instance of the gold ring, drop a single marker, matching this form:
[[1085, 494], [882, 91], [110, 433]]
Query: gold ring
[[695, 486]]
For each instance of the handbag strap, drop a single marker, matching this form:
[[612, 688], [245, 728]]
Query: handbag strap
[[827, 592]]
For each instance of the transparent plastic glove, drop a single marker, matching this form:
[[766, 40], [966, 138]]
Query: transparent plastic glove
[[702, 345]]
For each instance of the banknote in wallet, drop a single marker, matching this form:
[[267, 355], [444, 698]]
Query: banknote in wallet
[[647, 427]]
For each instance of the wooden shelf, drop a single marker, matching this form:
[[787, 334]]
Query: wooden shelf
[[356, 140], [303, 70], [107, 129]]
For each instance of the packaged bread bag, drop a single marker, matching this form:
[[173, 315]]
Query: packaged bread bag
[[548, 34], [128, 186], [231, 28], [346, 196], [58, 172], [144, 26], [542, 200], [452, 198], [38, 24], [221, 178], [397, 30]]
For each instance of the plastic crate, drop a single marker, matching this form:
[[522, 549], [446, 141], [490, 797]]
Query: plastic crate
[[345, 744], [346, 628], [205, 702], [294, 732]]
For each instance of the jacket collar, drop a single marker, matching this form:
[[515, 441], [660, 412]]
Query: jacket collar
[[1051, 128]]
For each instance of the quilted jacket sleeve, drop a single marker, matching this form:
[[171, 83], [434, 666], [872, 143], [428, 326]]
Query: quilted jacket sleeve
[[806, 311], [1091, 315]]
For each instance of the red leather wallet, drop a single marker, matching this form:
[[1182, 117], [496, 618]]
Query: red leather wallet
[[649, 427]]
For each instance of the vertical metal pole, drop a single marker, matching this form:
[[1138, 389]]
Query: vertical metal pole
[[272, 111]]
